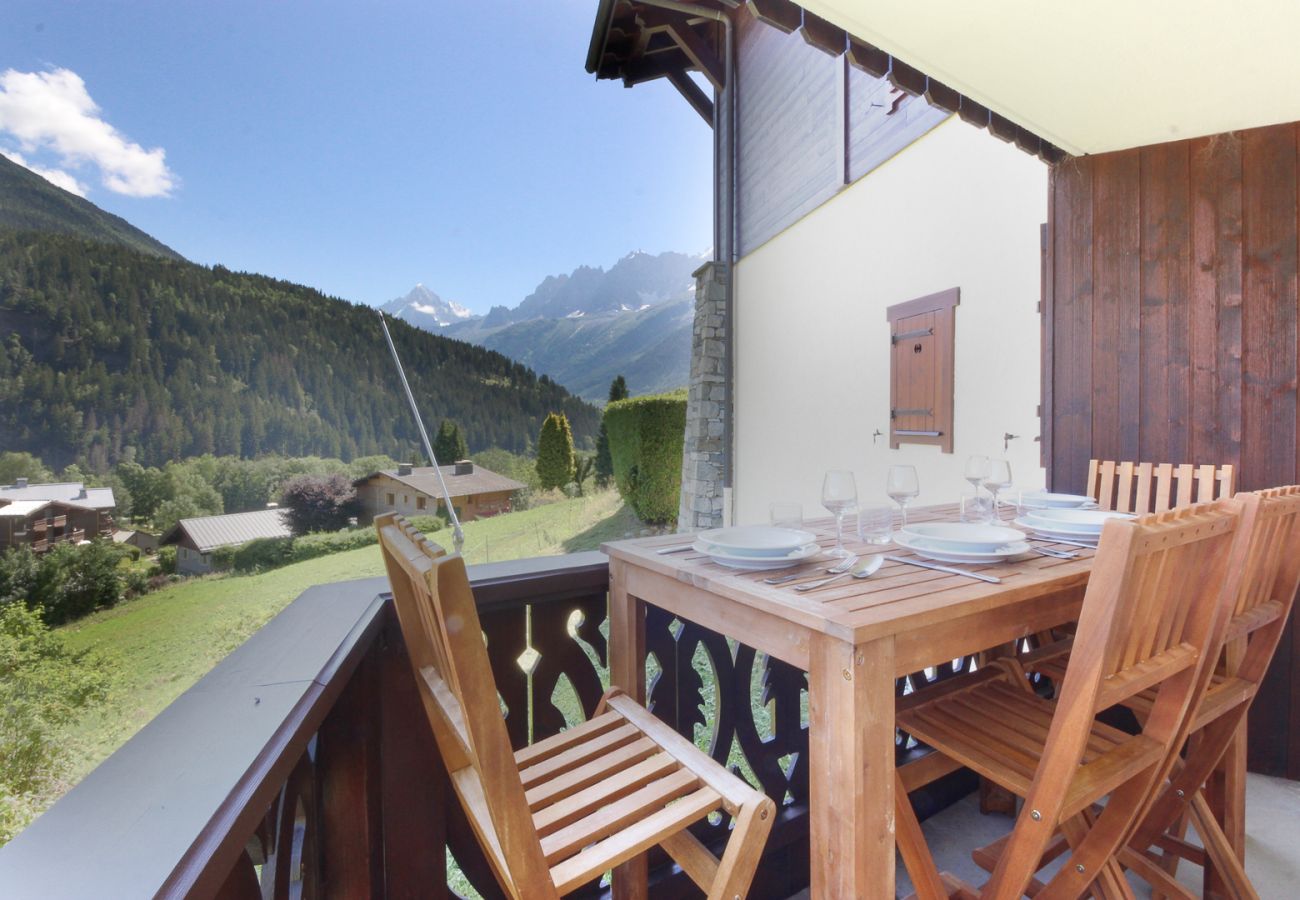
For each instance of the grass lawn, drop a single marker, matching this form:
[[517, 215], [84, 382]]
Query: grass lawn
[[157, 646]]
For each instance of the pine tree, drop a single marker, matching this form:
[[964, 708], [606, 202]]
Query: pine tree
[[555, 459], [618, 389], [605, 462], [450, 444]]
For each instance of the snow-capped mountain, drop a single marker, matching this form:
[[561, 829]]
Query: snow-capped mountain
[[425, 309], [585, 327]]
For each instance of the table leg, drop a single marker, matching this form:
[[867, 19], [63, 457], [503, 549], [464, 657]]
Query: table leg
[[627, 671], [1226, 796], [851, 768]]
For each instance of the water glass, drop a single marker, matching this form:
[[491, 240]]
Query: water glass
[[902, 487], [976, 508], [839, 496], [998, 479], [786, 515], [876, 524]]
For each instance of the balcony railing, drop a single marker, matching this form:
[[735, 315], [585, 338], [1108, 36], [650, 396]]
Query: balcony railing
[[302, 765]]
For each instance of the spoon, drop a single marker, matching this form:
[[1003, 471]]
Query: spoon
[[862, 570], [834, 570]]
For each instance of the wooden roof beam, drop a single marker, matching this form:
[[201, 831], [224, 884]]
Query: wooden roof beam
[[697, 50], [693, 93], [781, 14], [823, 35]]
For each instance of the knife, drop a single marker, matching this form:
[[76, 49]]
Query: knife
[[949, 569]]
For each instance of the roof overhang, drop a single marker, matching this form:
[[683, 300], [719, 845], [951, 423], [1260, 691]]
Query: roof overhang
[[1098, 76]]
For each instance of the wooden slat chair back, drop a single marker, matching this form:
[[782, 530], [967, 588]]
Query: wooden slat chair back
[[1157, 603], [555, 815], [1145, 487], [1265, 600]]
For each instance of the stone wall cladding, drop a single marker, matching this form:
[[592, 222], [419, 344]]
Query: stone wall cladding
[[706, 407]]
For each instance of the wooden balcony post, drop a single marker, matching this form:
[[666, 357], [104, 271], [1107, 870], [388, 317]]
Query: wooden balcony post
[[348, 766], [413, 782]]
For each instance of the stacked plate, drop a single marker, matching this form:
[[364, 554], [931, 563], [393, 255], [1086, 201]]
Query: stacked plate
[[757, 547], [1044, 500], [962, 542], [1080, 525]]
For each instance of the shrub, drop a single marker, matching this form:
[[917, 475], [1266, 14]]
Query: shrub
[[167, 560], [555, 459], [320, 502], [271, 553], [646, 436], [74, 580], [43, 686]]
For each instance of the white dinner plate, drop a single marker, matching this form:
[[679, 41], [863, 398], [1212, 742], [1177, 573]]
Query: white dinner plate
[[757, 563], [1065, 534], [964, 536], [1093, 518], [934, 550], [757, 540], [1045, 500]]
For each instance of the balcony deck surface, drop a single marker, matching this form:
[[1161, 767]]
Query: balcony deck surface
[[1272, 841]]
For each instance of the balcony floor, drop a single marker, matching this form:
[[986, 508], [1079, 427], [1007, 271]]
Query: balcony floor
[[1272, 835]]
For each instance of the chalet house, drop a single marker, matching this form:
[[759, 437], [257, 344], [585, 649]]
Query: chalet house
[[197, 538], [42, 515], [870, 239], [477, 493]]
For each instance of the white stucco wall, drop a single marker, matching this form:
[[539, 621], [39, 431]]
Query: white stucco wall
[[958, 208]]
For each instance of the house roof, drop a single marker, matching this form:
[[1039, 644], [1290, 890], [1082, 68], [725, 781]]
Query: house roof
[[1097, 76], [21, 509], [423, 479], [71, 492], [211, 532], [636, 41]]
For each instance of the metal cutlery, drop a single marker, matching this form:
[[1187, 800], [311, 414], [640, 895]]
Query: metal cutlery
[[948, 569], [1063, 541], [664, 551], [872, 564], [785, 579], [1054, 553]]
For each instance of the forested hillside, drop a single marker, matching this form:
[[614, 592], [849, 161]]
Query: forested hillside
[[28, 201], [103, 348]]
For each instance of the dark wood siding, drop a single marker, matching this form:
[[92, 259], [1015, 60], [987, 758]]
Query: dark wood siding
[[1173, 302], [808, 123]]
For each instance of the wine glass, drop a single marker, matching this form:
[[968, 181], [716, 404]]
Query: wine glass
[[998, 478], [977, 469], [839, 495], [902, 487]]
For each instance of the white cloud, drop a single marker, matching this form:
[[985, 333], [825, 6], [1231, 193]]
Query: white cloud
[[53, 111], [56, 177]]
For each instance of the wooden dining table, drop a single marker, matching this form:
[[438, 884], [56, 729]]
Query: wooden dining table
[[854, 638]]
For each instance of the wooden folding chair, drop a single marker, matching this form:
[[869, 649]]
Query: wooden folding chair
[[1156, 608], [558, 814], [1267, 595], [1145, 487]]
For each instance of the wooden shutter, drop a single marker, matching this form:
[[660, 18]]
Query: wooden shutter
[[921, 370]]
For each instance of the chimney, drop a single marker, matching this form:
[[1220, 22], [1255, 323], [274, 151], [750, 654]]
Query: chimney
[[81, 495], [403, 468], [464, 467], [20, 482]]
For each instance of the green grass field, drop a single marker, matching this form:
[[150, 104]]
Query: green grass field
[[157, 646]]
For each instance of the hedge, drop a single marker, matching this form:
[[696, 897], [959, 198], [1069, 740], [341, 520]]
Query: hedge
[[646, 435], [271, 553]]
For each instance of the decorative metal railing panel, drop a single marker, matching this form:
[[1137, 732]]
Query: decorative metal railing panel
[[336, 789]]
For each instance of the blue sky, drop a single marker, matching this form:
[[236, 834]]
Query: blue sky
[[357, 147]]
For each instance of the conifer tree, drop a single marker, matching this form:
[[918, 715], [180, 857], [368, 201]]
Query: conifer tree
[[605, 462], [450, 444], [555, 458], [618, 389]]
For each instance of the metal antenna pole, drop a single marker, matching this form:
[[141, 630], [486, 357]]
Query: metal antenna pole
[[457, 534]]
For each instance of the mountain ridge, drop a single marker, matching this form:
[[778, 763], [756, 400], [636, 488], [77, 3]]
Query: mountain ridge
[[587, 326], [28, 202]]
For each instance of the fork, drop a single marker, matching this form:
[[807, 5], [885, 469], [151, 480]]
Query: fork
[[834, 570], [839, 571], [1054, 553]]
